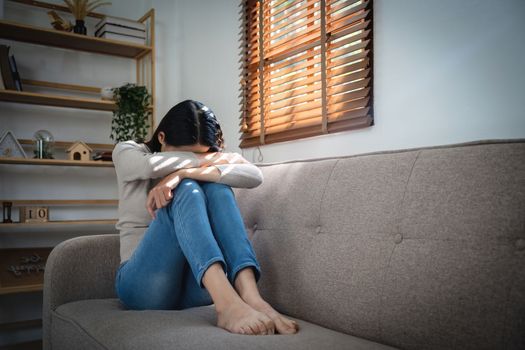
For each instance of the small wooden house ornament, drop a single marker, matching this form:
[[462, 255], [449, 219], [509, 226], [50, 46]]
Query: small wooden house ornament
[[79, 151], [10, 147]]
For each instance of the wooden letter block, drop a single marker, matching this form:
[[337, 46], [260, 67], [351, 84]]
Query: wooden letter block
[[34, 214]]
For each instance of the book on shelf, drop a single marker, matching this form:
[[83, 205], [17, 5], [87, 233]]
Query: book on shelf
[[105, 155], [2, 86], [122, 37], [108, 27], [14, 72], [120, 22], [123, 29], [5, 68]]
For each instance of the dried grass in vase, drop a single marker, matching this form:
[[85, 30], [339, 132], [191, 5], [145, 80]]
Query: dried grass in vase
[[80, 9]]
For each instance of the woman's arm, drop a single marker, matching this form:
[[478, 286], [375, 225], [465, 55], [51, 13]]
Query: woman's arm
[[244, 175], [234, 170], [133, 163], [214, 158]]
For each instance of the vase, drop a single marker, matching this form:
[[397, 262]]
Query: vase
[[79, 27]]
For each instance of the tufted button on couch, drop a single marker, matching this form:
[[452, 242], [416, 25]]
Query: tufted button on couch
[[409, 249]]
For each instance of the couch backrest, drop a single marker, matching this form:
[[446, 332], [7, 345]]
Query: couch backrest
[[420, 248]]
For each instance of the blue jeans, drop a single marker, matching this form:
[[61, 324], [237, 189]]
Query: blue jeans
[[201, 225]]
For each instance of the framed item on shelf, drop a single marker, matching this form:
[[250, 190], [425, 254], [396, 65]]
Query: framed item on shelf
[[6, 209], [10, 147], [22, 269]]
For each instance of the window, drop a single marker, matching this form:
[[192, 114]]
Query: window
[[306, 68]]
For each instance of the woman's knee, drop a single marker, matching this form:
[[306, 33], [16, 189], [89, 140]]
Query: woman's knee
[[186, 187], [185, 190], [217, 190], [187, 182]]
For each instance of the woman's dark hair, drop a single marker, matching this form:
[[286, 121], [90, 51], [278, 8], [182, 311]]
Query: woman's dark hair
[[188, 123]]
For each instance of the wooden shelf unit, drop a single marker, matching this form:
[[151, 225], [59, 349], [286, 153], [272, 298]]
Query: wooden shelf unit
[[59, 222], [144, 56], [21, 324], [58, 162], [67, 144], [30, 345], [22, 289], [68, 40], [56, 100], [59, 227], [57, 202]]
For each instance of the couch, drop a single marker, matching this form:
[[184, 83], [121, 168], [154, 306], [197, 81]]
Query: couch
[[419, 248]]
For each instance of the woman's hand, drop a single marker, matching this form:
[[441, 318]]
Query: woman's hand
[[160, 195]]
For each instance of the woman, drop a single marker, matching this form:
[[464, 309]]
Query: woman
[[182, 237]]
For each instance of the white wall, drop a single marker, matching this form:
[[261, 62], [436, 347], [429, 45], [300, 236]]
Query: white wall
[[209, 61], [446, 71]]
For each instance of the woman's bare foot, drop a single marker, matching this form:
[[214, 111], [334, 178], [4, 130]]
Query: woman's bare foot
[[239, 317], [283, 325]]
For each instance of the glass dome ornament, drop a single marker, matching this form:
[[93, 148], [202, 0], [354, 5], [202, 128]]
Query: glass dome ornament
[[44, 144]]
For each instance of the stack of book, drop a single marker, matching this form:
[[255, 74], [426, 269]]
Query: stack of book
[[123, 29], [9, 77]]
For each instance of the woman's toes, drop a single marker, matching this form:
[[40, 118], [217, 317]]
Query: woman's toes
[[261, 328], [270, 326], [286, 326], [292, 324]]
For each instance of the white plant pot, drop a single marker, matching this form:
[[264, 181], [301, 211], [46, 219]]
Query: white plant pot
[[106, 93]]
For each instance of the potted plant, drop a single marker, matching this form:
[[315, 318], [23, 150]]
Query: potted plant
[[130, 119], [80, 9]]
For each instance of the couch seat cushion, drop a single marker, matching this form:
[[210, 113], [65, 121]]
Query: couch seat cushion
[[106, 324]]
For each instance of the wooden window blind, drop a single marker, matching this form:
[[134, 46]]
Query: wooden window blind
[[306, 68]]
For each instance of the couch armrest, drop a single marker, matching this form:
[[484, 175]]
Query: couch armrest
[[79, 268]]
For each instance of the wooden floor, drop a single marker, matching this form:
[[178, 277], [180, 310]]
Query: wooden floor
[[32, 345]]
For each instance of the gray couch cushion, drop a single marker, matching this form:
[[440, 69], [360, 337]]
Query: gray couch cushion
[[93, 324], [417, 248]]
